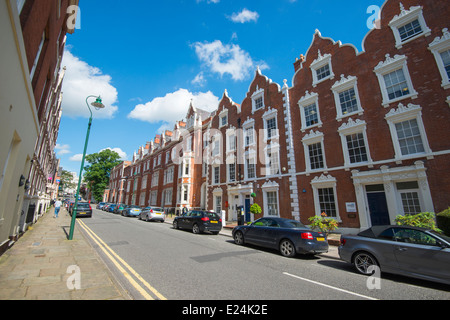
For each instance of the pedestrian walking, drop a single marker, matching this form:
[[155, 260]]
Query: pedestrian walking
[[58, 205]]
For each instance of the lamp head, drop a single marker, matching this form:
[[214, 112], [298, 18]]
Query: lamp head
[[98, 104]]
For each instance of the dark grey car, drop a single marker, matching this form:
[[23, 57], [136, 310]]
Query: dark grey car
[[288, 236], [408, 251]]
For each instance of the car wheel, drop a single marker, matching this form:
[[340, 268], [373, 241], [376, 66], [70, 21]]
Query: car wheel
[[287, 249], [195, 229], [239, 238], [147, 219], [175, 224], [365, 262]]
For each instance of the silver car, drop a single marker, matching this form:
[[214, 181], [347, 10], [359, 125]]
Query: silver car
[[408, 251], [152, 214]]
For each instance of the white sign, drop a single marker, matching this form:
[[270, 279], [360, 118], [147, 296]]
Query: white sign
[[351, 206]]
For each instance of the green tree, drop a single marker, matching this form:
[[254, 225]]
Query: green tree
[[98, 171], [66, 181]]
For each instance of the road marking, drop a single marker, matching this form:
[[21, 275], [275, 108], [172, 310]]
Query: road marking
[[330, 287], [105, 248]]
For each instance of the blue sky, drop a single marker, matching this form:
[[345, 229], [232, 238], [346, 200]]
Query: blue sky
[[148, 59]]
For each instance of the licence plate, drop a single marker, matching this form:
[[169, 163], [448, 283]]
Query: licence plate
[[320, 239], [158, 214], [82, 212], [214, 222]]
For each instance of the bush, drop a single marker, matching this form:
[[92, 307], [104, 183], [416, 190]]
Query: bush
[[323, 224], [443, 221], [255, 209], [421, 220]]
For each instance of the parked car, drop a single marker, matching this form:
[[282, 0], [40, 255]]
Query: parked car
[[119, 208], [152, 214], [409, 251], [101, 205], [290, 237], [199, 221], [111, 208], [84, 210], [131, 211]]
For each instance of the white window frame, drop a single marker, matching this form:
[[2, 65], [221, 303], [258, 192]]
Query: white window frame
[[231, 140], [38, 56], [270, 186], [325, 182], [405, 17], [269, 170], [412, 190], [350, 128], [320, 62], [249, 125], [223, 115], [391, 65], [344, 85], [229, 178], [307, 100], [439, 45], [218, 193], [144, 182], [259, 93], [213, 175], [271, 114], [155, 179], [250, 156], [314, 137], [402, 114]]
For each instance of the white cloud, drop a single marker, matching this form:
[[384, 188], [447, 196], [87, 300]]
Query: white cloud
[[199, 80], [82, 80], [76, 158], [230, 59], [209, 1], [173, 107], [244, 16], [62, 149], [122, 154]]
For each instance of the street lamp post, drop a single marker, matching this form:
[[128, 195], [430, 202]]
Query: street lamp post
[[97, 105]]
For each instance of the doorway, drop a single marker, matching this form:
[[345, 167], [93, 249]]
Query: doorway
[[378, 208]]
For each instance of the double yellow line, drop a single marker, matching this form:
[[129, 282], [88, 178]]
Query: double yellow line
[[123, 267]]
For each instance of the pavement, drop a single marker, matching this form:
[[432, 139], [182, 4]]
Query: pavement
[[44, 265]]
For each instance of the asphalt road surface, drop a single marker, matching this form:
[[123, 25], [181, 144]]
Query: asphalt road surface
[[151, 260]]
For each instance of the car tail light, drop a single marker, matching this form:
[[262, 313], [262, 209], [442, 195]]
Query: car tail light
[[307, 236], [205, 219], [151, 211], [343, 241]]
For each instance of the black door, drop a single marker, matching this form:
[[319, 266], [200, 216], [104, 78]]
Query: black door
[[379, 213], [247, 210]]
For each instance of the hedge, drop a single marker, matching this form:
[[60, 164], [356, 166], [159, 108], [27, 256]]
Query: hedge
[[443, 221]]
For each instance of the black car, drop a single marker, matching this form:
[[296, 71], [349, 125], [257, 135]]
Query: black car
[[84, 210], [288, 236], [199, 221]]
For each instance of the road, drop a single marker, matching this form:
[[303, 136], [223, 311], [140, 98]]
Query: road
[[154, 261]]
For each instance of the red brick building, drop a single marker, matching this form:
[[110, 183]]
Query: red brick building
[[45, 25], [368, 143], [358, 135], [33, 37]]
